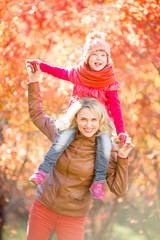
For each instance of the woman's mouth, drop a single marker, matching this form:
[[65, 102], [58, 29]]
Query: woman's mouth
[[88, 130]]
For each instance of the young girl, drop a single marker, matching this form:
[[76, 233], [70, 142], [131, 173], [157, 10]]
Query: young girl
[[93, 77]]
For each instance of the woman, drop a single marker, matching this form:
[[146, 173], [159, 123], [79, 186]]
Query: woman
[[63, 200]]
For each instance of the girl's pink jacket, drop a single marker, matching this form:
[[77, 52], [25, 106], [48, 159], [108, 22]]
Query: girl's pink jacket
[[107, 95]]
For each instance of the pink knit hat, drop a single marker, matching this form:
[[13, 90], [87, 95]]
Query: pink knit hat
[[96, 41]]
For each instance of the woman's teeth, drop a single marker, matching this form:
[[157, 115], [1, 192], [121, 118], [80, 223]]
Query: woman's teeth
[[88, 130]]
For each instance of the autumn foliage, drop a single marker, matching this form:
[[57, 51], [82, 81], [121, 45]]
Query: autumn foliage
[[54, 32]]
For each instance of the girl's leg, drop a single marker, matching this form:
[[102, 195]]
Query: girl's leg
[[104, 147], [41, 222], [70, 228], [62, 141], [103, 153]]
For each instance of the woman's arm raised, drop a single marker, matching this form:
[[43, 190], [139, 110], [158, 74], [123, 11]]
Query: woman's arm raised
[[37, 115], [117, 174]]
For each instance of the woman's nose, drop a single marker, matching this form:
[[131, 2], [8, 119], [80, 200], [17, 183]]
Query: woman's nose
[[88, 124]]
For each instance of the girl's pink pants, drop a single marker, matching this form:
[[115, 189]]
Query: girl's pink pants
[[42, 222]]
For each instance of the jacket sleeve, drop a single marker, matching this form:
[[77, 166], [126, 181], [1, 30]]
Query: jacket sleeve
[[57, 72], [117, 174], [42, 121], [116, 111]]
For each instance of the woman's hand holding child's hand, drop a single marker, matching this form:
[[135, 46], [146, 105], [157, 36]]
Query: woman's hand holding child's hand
[[33, 64], [33, 70], [124, 150]]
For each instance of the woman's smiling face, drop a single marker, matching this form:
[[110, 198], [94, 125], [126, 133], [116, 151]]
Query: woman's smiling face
[[88, 123]]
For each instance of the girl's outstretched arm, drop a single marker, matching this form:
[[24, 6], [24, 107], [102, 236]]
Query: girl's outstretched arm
[[57, 72]]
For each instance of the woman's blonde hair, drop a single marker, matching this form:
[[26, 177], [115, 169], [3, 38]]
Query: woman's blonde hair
[[68, 120]]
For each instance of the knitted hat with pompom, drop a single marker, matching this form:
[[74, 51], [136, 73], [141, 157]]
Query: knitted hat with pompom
[[96, 41]]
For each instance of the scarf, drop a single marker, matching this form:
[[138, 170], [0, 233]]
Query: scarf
[[94, 79]]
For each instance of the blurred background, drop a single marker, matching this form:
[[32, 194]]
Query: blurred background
[[54, 32]]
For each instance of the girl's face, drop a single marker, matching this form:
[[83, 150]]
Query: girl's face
[[87, 122], [98, 60]]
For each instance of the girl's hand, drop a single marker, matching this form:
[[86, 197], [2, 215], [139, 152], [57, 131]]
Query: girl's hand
[[122, 138], [124, 150]]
